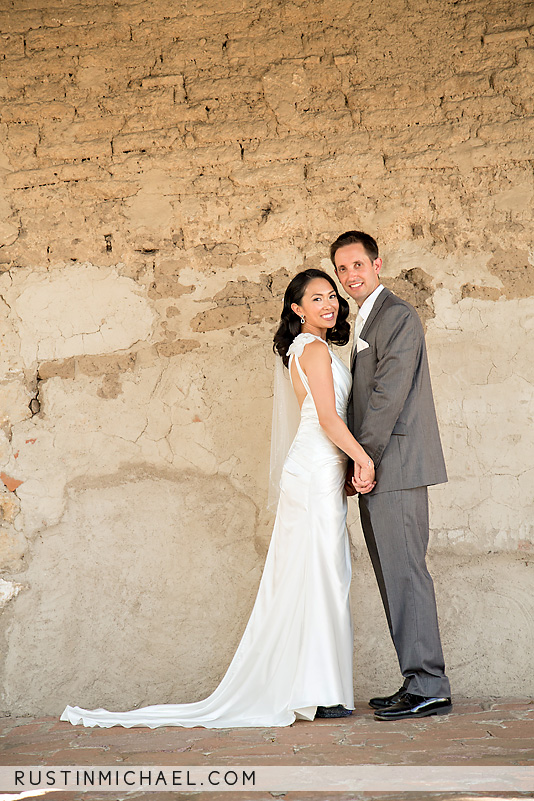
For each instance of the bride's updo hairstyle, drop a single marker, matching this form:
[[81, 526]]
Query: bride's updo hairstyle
[[290, 325]]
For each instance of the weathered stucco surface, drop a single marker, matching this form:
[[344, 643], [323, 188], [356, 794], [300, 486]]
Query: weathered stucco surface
[[164, 171]]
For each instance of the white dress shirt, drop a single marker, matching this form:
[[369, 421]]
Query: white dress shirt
[[363, 313]]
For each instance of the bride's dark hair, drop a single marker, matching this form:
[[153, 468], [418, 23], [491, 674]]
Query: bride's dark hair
[[290, 324]]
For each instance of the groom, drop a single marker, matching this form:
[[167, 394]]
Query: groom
[[391, 414]]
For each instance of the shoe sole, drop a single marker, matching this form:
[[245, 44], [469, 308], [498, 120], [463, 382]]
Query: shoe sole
[[444, 711]]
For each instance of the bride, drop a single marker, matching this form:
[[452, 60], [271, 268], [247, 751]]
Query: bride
[[295, 657]]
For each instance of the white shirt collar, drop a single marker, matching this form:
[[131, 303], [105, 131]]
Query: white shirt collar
[[367, 305]]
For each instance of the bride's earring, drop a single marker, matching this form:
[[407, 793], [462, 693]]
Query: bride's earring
[[302, 319]]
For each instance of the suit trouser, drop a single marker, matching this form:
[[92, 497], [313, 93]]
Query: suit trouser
[[395, 527]]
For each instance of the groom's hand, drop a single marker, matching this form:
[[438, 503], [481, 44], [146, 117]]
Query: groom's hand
[[349, 486]]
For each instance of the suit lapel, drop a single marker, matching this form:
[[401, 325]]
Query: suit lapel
[[353, 359], [377, 305]]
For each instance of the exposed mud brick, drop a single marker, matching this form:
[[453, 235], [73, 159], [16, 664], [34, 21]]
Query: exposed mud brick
[[62, 368], [53, 65], [20, 20], [76, 36], [98, 365], [11, 45], [76, 14], [177, 348], [512, 131], [283, 175], [244, 129], [106, 190], [23, 138], [81, 131], [151, 141], [503, 37], [87, 365], [425, 114], [75, 151], [241, 302], [35, 112], [167, 286], [493, 107], [50, 176], [415, 286], [482, 292], [345, 165], [514, 268], [272, 149], [241, 87]]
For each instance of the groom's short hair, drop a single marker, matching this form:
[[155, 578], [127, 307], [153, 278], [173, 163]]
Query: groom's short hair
[[350, 238]]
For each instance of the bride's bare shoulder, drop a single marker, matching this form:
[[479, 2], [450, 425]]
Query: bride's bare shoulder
[[315, 350]]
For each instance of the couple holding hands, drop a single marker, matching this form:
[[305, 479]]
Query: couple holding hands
[[373, 431]]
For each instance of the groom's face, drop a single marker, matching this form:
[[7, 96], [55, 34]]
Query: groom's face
[[357, 274]]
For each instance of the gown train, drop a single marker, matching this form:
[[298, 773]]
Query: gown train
[[296, 651]]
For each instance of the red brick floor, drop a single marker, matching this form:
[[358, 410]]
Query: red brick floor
[[477, 732]]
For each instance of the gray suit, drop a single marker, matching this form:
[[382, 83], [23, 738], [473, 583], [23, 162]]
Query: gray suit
[[391, 413]]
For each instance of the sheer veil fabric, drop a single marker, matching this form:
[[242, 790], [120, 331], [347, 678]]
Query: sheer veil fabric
[[285, 423], [296, 651]]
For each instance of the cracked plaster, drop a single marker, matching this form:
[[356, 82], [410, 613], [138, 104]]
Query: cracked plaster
[[102, 567], [483, 380], [78, 310]]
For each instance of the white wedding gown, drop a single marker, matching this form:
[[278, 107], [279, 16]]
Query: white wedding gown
[[296, 652]]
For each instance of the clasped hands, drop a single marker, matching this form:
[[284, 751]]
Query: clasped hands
[[359, 478]]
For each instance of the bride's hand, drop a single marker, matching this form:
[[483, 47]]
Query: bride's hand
[[364, 477]]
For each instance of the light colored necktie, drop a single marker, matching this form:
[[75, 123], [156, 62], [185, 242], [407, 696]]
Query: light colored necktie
[[358, 325]]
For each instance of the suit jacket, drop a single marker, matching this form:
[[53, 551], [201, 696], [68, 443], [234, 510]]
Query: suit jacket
[[391, 409]]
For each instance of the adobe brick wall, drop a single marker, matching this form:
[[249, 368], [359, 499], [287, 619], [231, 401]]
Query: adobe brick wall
[[165, 168]]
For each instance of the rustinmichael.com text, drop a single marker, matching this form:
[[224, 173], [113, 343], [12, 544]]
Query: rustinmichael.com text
[[61, 778]]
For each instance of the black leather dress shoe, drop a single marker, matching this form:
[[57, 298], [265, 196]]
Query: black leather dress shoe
[[414, 706], [388, 700], [338, 711]]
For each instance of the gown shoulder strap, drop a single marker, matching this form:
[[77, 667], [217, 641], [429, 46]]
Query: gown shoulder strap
[[296, 349], [300, 371]]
